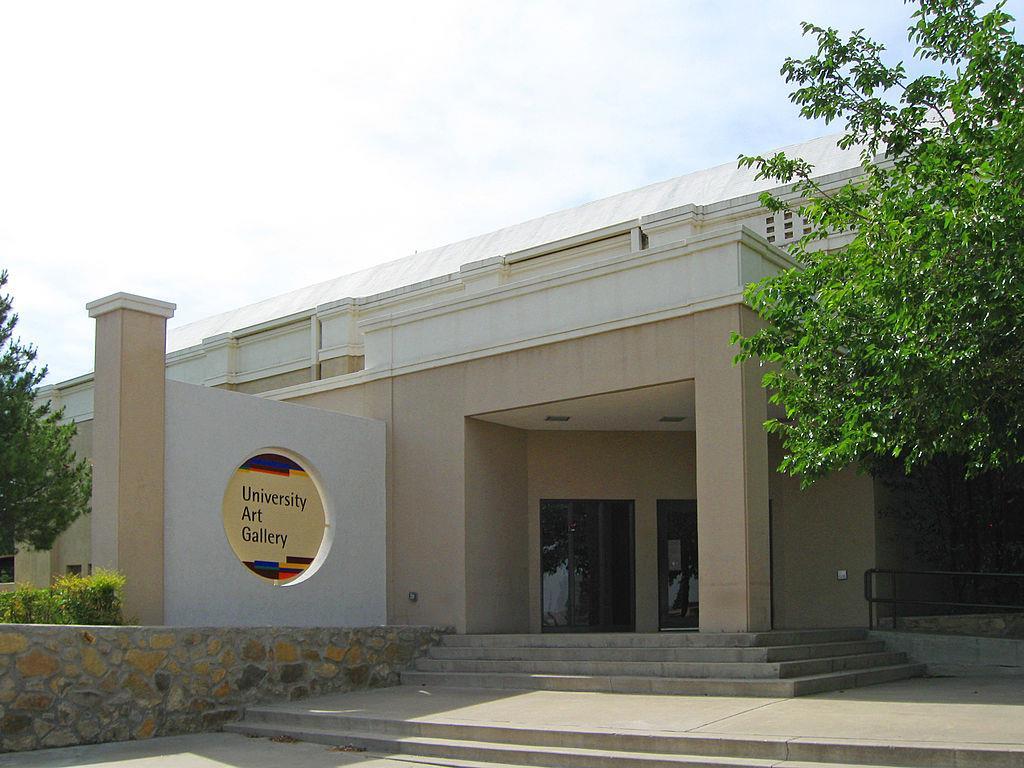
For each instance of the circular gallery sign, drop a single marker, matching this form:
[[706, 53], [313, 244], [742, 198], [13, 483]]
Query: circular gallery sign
[[274, 517]]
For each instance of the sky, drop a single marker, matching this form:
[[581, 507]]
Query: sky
[[217, 153]]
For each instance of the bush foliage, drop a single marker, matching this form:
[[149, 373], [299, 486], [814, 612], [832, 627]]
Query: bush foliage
[[72, 599]]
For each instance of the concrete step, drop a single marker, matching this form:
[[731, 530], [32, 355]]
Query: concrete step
[[700, 669], [457, 751], [836, 681], [650, 684], [492, 744], [340, 723], [736, 762], [669, 653], [657, 639], [853, 663], [441, 762]]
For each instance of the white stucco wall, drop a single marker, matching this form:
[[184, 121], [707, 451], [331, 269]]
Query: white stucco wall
[[209, 433]]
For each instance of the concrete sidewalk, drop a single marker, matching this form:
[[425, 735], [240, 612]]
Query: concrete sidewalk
[[202, 750], [986, 710], [981, 712]]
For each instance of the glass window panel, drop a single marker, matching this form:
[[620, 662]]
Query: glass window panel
[[554, 555]]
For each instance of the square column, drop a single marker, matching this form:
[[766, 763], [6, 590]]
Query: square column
[[128, 447], [732, 478]]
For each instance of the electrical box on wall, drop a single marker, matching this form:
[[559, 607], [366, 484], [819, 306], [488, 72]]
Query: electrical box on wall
[[842, 575]]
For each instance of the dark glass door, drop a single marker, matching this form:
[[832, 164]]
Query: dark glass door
[[586, 552], [678, 595]]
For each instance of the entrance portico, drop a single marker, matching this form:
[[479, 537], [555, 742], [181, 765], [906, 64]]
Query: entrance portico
[[606, 466]]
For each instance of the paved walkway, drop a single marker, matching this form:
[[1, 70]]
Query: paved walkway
[[975, 711], [204, 750]]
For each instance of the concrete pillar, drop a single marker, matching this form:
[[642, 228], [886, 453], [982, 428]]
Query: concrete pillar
[[732, 479], [128, 447]]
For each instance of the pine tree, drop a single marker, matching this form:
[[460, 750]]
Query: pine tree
[[44, 487]]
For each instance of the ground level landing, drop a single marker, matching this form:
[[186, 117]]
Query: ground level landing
[[952, 714]]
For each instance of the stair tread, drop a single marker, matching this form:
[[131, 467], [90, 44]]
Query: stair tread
[[659, 639], [576, 731], [548, 646], [735, 762], [490, 746], [770, 687], [732, 763], [327, 735], [787, 661], [733, 663], [820, 675], [498, 733], [694, 735], [841, 672], [455, 763]]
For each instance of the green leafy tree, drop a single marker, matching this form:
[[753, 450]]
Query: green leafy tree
[[43, 486], [907, 344]]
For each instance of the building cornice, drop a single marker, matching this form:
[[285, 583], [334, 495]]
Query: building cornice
[[130, 301]]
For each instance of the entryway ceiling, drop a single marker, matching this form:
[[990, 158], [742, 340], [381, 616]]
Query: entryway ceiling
[[643, 409]]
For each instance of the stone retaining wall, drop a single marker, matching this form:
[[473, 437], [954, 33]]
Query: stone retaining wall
[[62, 685]]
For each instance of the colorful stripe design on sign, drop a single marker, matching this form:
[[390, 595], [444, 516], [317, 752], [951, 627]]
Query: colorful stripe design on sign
[[273, 464], [270, 569]]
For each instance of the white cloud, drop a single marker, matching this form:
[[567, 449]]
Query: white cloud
[[216, 153]]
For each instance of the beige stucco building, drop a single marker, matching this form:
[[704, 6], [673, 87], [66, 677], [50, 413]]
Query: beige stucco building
[[569, 444]]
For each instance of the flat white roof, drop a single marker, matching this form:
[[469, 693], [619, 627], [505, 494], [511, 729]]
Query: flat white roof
[[711, 185]]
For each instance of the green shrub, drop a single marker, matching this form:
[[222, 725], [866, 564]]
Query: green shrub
[[71, 599], [28, 605]]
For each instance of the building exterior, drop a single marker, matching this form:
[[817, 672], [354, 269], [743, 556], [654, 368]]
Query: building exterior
[[568, 444]]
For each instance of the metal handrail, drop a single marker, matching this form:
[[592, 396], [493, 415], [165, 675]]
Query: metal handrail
[[873, 600]]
